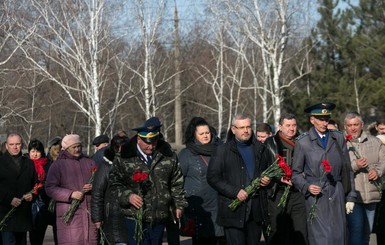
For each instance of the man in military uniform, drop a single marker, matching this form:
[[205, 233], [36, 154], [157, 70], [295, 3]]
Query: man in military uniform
[[147, 154], [323, 186]]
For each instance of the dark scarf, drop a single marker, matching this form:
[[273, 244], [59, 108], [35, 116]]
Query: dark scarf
[[199, 149], [289, 145]]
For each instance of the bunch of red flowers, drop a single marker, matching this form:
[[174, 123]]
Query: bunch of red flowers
[[273, 171], [139, 177], [287, 170]]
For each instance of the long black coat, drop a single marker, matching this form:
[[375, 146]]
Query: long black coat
[[15, 183], [104, 206], [227, 174]]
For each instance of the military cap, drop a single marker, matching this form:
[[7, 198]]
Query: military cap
[[100, 140], [323, 109], [150, 131]]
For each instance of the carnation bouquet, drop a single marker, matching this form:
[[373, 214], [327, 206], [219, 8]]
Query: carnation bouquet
[[139, 177], [287, 170], [274, 170], [313, 208], [67, 216], [34, 191]]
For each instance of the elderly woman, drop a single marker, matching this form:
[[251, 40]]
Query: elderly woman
[[67, 181], [200, 142]]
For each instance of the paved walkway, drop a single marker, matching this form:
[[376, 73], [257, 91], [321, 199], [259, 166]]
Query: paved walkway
[[184, 240]]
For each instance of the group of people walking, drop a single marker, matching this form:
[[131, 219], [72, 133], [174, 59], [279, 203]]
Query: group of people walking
[[133, 189]]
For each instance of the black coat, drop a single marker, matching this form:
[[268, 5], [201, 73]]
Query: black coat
[[14, 183], [104, 206], [227, 174]]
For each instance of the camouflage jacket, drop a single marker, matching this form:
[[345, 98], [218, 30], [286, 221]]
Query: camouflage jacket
[[161, 191]]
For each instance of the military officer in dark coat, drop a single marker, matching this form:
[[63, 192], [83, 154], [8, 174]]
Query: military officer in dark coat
[[314, 148]]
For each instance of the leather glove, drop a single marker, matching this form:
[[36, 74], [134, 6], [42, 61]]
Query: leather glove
[[349, 207]]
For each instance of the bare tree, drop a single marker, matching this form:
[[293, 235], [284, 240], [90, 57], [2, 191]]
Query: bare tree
[[69, 42], [269, 25]]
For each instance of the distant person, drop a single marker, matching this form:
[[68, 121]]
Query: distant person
[[380, 125], [333, 125], [67, 180], [264, 131], [54, 146], [17, 178], [101, 143], [200, 143]]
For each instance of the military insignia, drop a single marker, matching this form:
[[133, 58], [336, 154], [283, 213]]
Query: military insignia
[[303, 135], [324, 111]]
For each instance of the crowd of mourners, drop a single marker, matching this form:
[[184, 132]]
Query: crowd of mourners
[[140, 190]]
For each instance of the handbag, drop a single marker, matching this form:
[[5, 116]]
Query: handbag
[[36, 207], [187, 226]]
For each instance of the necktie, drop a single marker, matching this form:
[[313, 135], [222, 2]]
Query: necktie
[[149, 160]]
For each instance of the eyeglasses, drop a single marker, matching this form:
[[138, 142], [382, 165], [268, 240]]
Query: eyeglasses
[[242, 128]]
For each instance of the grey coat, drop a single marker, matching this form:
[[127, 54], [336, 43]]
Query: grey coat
[[201, 197], [329, 227]]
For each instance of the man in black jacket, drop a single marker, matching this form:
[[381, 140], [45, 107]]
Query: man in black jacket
[[288, 224], [231, 169], [17, 178]]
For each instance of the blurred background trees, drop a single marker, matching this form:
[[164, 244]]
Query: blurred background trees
[[97, 66]]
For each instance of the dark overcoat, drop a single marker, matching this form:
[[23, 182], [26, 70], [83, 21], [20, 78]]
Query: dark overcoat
[[16, 183], [227, 174]]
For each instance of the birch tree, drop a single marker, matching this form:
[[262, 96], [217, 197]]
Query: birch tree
[[269, 25], [67, 47]]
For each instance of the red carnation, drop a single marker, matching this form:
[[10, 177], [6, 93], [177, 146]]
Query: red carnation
[[327, 166], [348, 137]]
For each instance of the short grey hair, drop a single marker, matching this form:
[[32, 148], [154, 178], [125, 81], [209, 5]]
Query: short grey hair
[[239, 117], [352, 115]]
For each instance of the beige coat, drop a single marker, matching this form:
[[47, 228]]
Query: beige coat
[[373, 150]]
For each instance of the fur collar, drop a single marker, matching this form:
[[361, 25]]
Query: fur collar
[[129, 148]]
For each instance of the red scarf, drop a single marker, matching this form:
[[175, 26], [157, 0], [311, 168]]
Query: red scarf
[[39, 163]]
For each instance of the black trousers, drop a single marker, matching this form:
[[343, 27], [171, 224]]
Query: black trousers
[[249, 235], [288, 225]]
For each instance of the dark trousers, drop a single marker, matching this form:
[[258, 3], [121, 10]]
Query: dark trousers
[[250, 234], [288, 225], [14, 238], [172, 230], [152, 234]]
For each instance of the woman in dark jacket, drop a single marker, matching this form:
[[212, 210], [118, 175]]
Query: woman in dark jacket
[[40, 216], [105, 210], [200, 142]]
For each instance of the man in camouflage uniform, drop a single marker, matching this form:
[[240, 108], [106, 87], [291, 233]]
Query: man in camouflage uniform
[[147, 153]]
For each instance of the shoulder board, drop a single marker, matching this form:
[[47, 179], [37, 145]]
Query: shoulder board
[[303, 135]]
